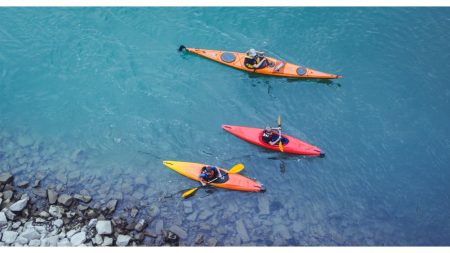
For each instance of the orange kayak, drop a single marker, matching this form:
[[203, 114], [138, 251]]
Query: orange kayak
[[275, 67], [232, 181]]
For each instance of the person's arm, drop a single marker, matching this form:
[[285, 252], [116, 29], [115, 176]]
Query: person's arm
[[278, 139], [203, 181], [260, 63]]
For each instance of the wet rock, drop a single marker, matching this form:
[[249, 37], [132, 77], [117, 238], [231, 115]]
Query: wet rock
[[83, 198], [71, 233], [123, 240], [187, 206], [242, 231], [52, 196], [179, 231], [199, 239], [22, 240], [139, 237], [6, 178], [44, 214], [3, 220], [7, 195], [10, 215], [82, 207], [78, 238], [97, 240], [111, 205], [23, 184], [30, 234], [130, 226], [40, 192], [34, 243], [64, 243], [153, 210], [16, 225], [36, 183], [134, 212], [107, 241], [263, 205], [92, 223], [150, 234], [56, 211], [19, 205], [104, 227], [212, 242], [9, 237], [141, 225], [65, 199]]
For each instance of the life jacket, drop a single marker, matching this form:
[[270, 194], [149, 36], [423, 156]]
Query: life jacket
[[250, 61], [210, 173], [267, 136]]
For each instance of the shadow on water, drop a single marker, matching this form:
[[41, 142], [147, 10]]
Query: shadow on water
[[327, 82]]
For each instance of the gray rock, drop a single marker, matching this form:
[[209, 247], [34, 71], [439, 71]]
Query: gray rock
[[23, 184], [7, 194], [6, 178], [107, 241], [19, 205], [44, 214], [64, 243], [212, 242], [140, 225], [263, 205], [65, 199], [134, 212], [22, 240], [179, 231], [92, 223], [52, 196], [50, 241], [58, 223], [83, 198], [16, 225], [56, 211], [242, 231], [104, 227], [36, 183], [111, 205], [1, 200], [71, 233], [123, 240], [34, 243], [78, 238], [9, 237], [30, 234], [3, 220], [40, 192], [98, 240], [10, 215]]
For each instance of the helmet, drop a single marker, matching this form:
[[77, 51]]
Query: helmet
[[251, 52], [267, 129], [203, 175]]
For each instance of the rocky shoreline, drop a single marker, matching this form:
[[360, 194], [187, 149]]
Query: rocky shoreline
[[52, 217]]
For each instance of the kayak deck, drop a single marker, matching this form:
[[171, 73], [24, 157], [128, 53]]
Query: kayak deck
[[254, 136], [275, 68], [235, 181]]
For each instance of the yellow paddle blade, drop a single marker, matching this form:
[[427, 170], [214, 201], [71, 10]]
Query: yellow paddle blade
[[189, 192], [279, 120], [280, 145], [236, 168]]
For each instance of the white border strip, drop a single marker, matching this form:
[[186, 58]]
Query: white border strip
[[172, 3]]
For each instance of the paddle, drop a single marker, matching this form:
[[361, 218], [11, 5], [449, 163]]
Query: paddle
[[235, 169], [280, 144]]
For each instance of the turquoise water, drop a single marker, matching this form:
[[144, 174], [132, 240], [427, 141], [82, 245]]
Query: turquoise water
[[102, 95]]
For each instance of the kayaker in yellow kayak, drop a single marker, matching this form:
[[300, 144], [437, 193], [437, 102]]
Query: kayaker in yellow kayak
[[209, 174], [255, 59], [272, 135]]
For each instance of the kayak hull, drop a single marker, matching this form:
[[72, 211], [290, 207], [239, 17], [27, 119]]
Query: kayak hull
[[254, 136], [235, 181], [276, 68]]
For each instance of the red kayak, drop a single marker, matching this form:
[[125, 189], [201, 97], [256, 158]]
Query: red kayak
[[290, 144]]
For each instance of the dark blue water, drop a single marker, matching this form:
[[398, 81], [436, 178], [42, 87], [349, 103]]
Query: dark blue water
[[100, 96]]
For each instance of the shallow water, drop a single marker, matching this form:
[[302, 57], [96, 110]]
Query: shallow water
[[96, 98]]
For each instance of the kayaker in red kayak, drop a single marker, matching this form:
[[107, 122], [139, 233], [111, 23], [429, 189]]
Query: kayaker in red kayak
[[209, 173], [272, 135], [255, 59]]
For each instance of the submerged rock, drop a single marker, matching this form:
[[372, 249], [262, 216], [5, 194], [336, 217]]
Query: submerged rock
[[242, 231], [23, 184], [212, 242], [65, 199], [263, 205], [52, 196], [111, 205], [179, 231]]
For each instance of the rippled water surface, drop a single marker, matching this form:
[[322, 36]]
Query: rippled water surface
[[96, 98]]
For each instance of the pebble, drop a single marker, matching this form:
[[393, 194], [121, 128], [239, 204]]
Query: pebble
[[6, 178], [65, 199], [179, 231], [52, 196], [123, 240], [9, 237], [107, 241], [78, 238], [104, 227]]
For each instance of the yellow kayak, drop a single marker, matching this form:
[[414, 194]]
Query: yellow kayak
[[274, 68]]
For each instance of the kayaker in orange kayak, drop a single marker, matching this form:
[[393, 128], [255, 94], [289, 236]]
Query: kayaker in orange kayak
[[209, 174], [255, 59], [271, 135]]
